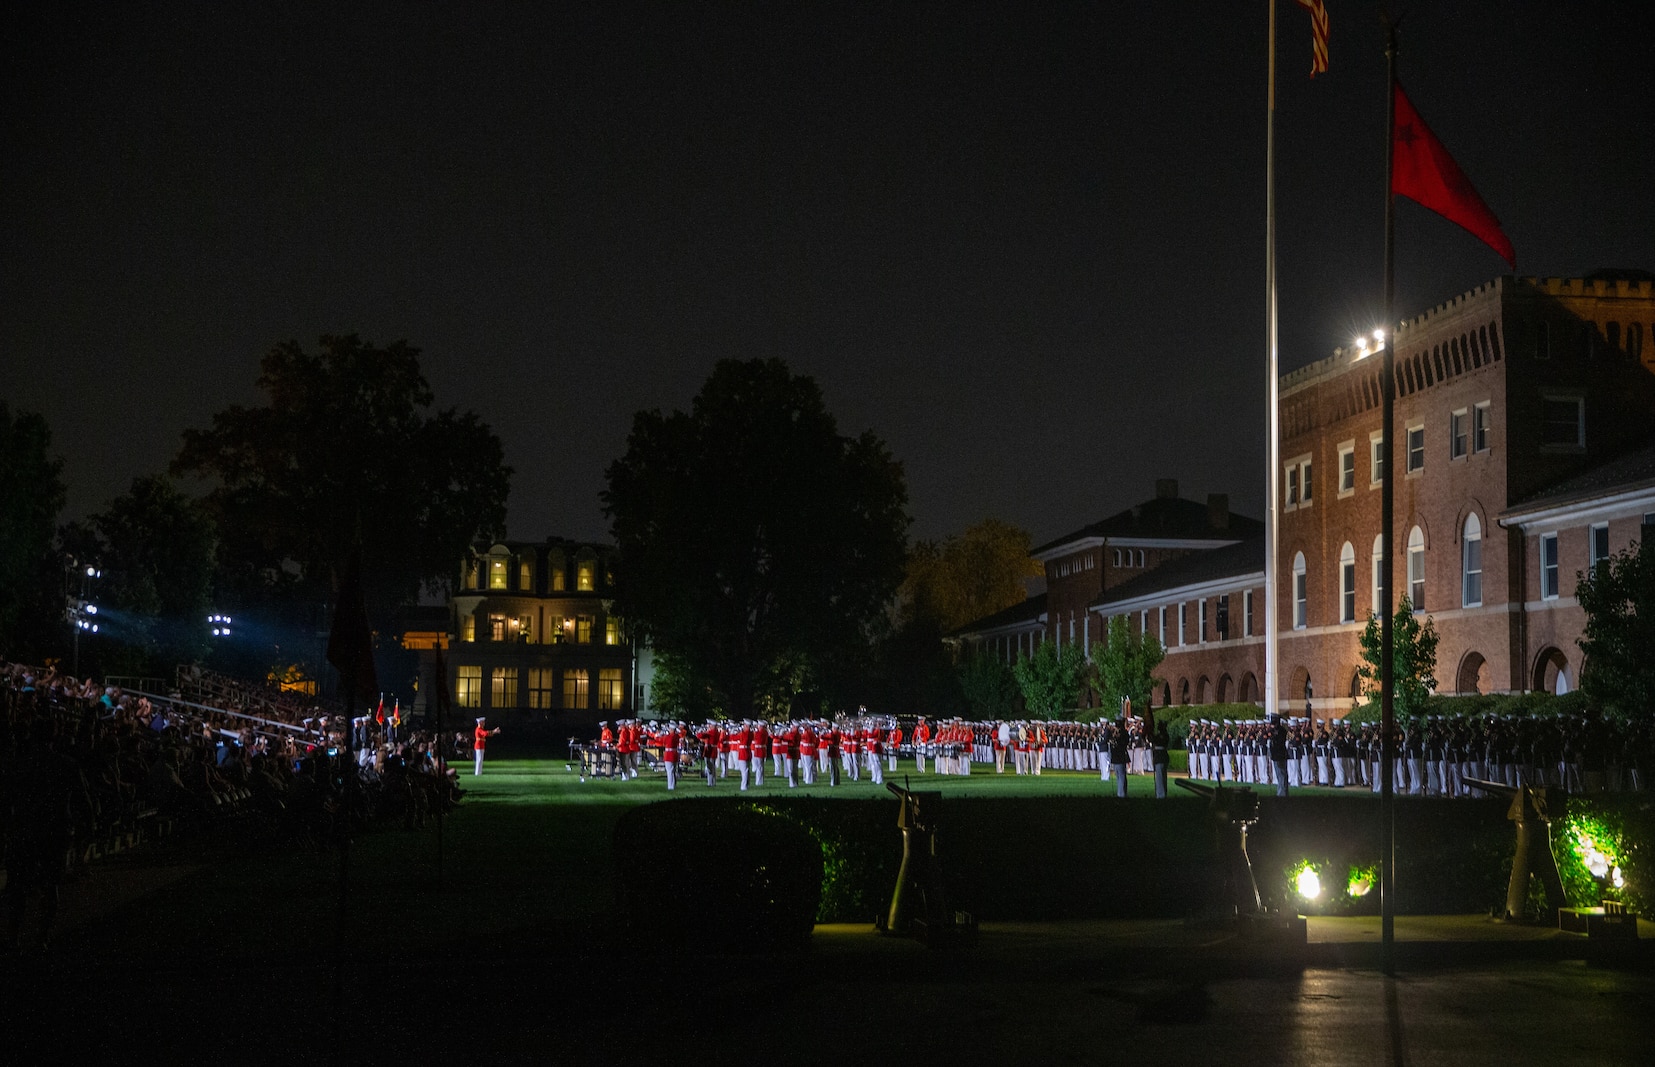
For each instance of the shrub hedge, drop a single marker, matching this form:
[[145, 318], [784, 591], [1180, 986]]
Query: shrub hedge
[[785, 859]]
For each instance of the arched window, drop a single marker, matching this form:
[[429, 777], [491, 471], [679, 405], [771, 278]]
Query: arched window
[[1117, 557], [1416, 568], [1378, 558], [1299, 591], [1471, 560], [1140, 557], [1347, 583]]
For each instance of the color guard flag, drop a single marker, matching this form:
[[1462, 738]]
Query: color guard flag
[[1318, 35], [1424, 172], [379, 713]]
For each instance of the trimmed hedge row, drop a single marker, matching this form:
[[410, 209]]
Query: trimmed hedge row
[[1100, 857]]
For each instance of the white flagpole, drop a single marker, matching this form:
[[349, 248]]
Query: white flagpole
[[1272, 465]]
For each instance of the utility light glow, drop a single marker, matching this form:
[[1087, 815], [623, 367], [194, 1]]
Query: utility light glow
[[91, 609], [1360, 884], [1379, 337], [91, 572], [1309, 883]]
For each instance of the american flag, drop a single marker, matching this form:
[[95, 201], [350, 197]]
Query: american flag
[[1318, 30]]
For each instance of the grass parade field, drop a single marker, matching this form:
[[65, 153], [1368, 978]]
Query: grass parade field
[[515, 951]]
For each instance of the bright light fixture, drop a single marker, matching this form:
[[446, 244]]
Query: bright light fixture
[[1309, 883]]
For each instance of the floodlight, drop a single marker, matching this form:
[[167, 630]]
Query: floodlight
[[91, 609], [1309, 883]]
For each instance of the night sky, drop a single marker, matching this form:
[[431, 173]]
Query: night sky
[[1021, 242]]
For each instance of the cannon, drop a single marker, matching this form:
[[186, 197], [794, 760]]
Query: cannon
[[1233, 812], [921, 873], [1534, 847]]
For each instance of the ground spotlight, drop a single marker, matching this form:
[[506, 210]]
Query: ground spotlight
[[1308, 883]]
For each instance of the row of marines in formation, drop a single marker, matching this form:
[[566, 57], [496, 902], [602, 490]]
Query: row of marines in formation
[[1434, 756], [847, 747]]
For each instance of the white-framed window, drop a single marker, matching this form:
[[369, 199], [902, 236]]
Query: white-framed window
[[1300, 591], [1347, 468], [1222, 620], [1378, 574], [1161, 630], [1481, 424], [586, 575], [583, 629], [540, 688], [1201, 621], [1182, 610], [1300, 483], [468, 628], [1143, 623], [1416, 568], [503, 687], [1117, 557], [611, 630], [1563, 422], [611, 694], [1459, 434], [468, 686], [1376, 459], [1247, 606], [1597, 544], [1140, 557], [1548, 567], [1471, 563], [525, 573], [1347, 583], [496, 627], [576, 687], [1415, 440], [497, 572]]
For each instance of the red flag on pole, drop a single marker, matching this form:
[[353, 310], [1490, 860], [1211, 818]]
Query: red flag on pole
[[1318, 35], [379, 712], [1424, 172]]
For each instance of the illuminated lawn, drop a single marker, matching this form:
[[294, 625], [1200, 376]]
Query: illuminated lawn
[[525, 860]]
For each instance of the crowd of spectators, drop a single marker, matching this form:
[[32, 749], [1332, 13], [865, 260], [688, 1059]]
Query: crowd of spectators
[[86, 769]]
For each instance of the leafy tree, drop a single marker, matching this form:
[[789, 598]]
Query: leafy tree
[[968, 576], [1618, 596], [1125, 664], [346, 450], [759, 546], [990, 687], [31, 495], [156, 548], [1413, 662], [1051, 680]]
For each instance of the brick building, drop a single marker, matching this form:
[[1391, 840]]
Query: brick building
[[1524, 415], [531, 634]]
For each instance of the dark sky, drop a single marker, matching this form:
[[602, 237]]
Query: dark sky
[[1021, 242]]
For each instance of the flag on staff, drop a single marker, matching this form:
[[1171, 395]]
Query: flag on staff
[[1424, 172], [1318, 35], [379, 712], [396, 712]]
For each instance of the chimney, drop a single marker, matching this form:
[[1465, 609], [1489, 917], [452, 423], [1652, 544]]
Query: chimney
[[1218, 510], [1166, 489]]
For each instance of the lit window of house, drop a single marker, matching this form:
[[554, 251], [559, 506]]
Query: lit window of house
[[468, 687], [576, 685], [611, 696]]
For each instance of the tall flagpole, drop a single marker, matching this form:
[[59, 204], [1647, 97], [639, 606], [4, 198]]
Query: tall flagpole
[[1272, 470], [1387, 531]]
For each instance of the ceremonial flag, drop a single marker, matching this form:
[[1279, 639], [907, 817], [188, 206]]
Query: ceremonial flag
[[396, 712], [379, 712], [1424, 172], [1318, 35]]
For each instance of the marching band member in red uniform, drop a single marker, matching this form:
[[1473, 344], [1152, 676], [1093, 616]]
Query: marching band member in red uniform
[[789, 745], [807, 752], [893, 741], [760, 752], [479, 740], [851, 749], [922, 738], [669, 742], [742, 745]]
